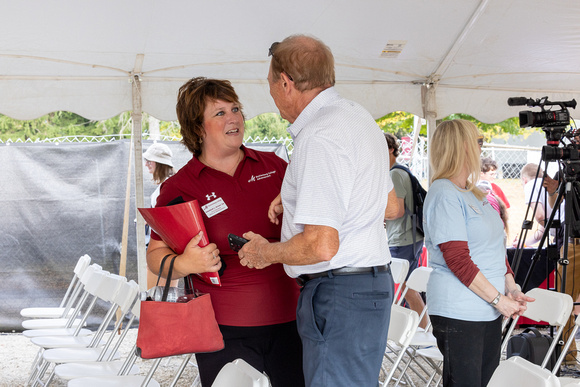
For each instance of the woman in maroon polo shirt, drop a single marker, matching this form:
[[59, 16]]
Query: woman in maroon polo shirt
[[256, 309]]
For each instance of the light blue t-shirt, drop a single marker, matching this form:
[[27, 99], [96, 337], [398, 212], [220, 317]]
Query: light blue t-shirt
[[452, 214]]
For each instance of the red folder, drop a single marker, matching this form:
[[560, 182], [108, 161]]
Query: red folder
[[176, 225]]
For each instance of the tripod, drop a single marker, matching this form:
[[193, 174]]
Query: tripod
[[568, 190]]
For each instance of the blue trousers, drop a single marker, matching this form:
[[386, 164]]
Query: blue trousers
[[343, 322]]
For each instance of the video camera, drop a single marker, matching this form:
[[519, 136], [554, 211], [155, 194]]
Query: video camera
[[544, 118], [552, 122]]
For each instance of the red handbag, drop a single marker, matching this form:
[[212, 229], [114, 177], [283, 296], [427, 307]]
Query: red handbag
[[176, 328]]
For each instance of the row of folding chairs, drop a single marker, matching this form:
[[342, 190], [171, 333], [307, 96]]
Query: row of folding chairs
[[81, 357], [71, 352], [409, 347], [408, 343]]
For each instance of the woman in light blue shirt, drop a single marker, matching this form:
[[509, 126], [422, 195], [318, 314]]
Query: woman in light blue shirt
[[471, 285]]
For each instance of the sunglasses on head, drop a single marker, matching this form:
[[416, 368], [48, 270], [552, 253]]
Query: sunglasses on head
[[271, 53]]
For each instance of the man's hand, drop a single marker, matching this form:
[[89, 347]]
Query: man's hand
[[250, 253], [275, 209]]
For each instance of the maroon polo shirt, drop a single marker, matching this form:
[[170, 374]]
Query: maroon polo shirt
[[247, 297]]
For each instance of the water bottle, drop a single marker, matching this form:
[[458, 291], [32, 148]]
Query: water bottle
[[156, 294]]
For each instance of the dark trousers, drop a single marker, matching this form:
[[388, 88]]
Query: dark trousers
[[471, 350], [273, 349]]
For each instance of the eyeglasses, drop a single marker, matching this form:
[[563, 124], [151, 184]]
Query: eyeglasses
[[480, 141], [271, 53]]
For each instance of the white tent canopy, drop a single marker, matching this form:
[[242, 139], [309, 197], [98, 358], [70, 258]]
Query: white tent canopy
[[474, 54], [428, 57]]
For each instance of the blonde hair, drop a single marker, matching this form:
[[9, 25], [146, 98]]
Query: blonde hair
[[454, 146]]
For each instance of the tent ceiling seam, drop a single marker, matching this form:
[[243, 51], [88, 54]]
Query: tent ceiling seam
[[448, 58]]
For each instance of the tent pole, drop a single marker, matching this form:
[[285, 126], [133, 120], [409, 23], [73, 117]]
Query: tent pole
[[429, 102], [137, 116]]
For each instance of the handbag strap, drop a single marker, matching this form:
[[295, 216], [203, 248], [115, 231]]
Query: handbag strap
[[161, 268], [168, 278]]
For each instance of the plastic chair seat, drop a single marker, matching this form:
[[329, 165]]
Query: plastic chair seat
[[569, 382], [55, 332], [432, 353], [240, 374], [517, 371], [48, 323], [423, 338], [55, 312], [112, 381], [64, 341], [70, 355], [70, 371]]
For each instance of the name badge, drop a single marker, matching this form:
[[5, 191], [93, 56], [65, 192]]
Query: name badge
[[474, 208], [214, 208]]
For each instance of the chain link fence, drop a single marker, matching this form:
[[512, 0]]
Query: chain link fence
[[510, 159]]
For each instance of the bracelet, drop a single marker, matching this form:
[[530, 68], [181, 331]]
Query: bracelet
[[495, 301]]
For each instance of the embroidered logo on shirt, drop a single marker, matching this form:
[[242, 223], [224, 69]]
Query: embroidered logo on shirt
[[262, 176], [209, 197]]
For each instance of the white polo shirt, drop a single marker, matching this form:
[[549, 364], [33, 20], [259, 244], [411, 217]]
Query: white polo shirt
[[338, 177]]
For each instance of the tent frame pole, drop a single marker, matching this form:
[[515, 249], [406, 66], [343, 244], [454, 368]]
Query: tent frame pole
[[137, 115]]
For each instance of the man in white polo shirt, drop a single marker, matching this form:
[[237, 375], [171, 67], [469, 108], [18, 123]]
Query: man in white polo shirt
[[335, 194]]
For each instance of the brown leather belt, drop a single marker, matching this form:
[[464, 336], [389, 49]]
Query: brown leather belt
[[302, 279]]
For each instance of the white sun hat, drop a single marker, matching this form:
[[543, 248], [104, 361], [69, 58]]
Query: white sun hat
[[160, 153]]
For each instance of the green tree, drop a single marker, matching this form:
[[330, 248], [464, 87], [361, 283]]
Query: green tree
[[401, 124], [267, 125], [500, 129]]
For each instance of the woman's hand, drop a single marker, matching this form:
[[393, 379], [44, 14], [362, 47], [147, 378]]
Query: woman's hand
[[197, 259], [275, 209], [510, 307], [514, 293]]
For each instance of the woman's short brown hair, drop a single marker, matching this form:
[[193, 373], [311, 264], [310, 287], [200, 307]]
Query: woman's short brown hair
[[307, 60], [192, 100]]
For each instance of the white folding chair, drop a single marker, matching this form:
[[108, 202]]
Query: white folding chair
[[91, 368], [549, 306], [80, 362], [240, 374], [90, 283], [402, 327], [567, 381], [423, 344], [517, 371], [92, 278], [399, 270], [107, 289], [66, 305], [124, 378]]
